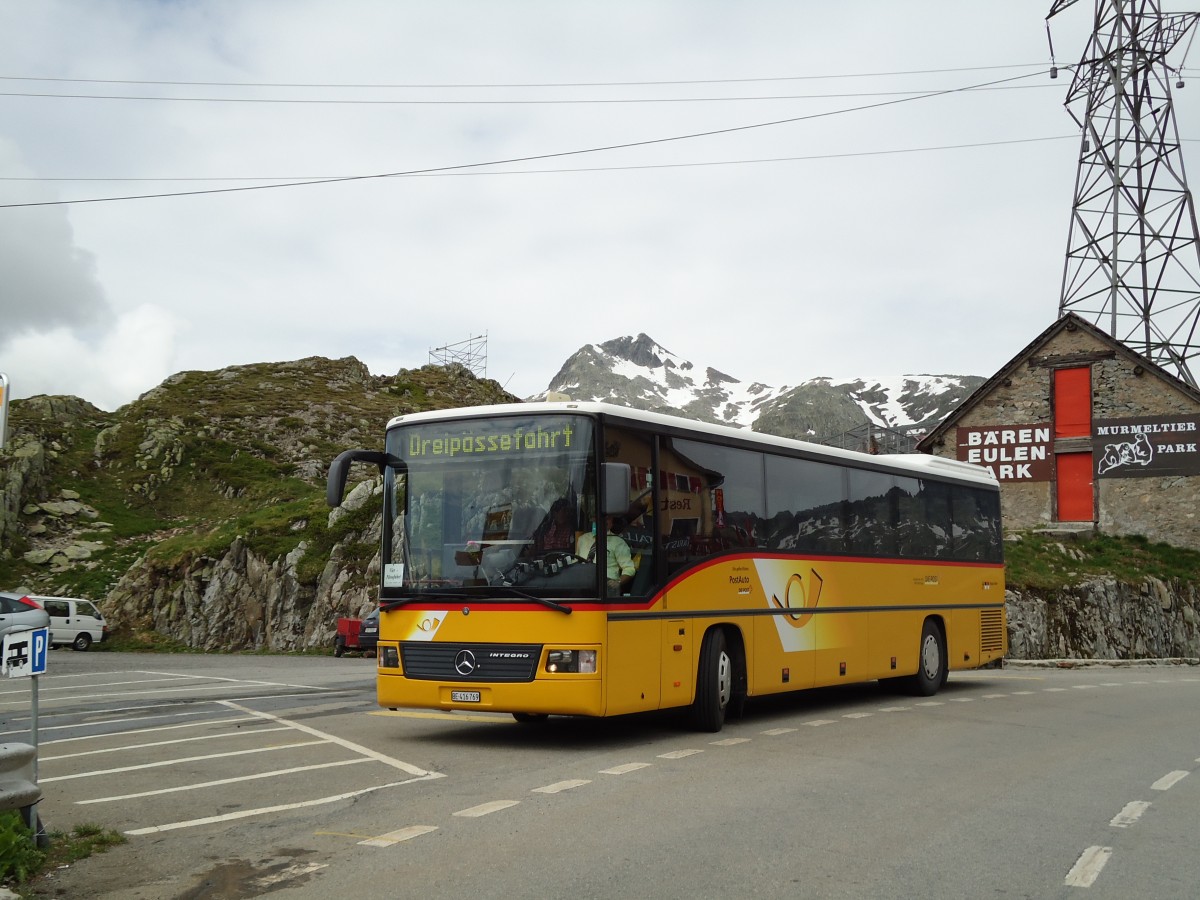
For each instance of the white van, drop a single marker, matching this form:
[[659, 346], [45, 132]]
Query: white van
[[75, 622]]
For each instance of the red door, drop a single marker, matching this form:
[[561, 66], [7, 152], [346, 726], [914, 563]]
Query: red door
[[1074, 487]]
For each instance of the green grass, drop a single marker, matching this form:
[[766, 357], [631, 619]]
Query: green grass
[[1051, 562], [21, 861]]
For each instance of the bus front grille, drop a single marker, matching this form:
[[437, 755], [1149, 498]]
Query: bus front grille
[[991, 630], [470, 662]]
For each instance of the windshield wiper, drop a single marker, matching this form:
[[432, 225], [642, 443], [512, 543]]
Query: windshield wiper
[[542, 600], [473, 598], [404, 601]]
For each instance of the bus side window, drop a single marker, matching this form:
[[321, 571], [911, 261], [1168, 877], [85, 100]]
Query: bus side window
[[636, 526], [712, 499]]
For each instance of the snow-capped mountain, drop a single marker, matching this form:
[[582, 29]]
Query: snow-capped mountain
[[640, 373]]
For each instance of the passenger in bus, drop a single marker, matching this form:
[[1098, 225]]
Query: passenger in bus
[[556, 531], [620, 560]]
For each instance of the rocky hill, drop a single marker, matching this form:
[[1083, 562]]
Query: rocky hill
[[198, 510]]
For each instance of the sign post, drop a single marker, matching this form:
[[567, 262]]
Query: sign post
[[24, 655]]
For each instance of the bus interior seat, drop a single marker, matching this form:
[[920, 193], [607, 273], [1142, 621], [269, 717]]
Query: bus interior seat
[[643, 577]]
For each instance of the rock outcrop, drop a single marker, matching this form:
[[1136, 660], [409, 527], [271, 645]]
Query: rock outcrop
[[1106, 620]]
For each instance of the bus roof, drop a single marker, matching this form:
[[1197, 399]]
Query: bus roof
[[914, 464]]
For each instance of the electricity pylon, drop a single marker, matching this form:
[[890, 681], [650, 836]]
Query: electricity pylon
[[1133, 258]]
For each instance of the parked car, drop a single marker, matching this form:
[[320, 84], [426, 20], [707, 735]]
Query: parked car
[[368, 634], [357, 634], [73, 621], [19, 612]]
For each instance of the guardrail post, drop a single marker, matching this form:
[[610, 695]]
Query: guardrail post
[[18, 783]]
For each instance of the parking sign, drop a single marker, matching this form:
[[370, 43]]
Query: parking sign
[[25, 653]]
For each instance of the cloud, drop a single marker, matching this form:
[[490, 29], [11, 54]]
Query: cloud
[[136, 354], [863, 261], [46, 280]]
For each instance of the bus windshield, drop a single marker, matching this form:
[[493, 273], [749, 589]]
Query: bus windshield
[[486, 503]]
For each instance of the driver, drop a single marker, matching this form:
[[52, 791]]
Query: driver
[[556, 531], [620, 560]]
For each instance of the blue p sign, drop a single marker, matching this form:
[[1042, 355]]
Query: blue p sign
[[38, 651]]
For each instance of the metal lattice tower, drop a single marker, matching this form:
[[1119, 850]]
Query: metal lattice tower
[[471, 353], [1133, 258]]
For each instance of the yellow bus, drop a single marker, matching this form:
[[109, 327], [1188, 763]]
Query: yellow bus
[[586, 559]]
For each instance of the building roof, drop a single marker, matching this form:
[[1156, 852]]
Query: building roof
[[1068, 322]]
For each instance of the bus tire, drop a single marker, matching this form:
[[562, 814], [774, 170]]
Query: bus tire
[[931, 662], [714, 683], [530, 718]]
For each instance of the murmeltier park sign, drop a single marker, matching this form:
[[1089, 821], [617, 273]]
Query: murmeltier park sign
[[1146, 447]]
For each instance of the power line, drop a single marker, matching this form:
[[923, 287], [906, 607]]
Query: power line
[[517, 85], [343, 101], [691, 165], [530, 158]]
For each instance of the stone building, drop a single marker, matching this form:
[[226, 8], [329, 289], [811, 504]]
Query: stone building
[[1084, 432]]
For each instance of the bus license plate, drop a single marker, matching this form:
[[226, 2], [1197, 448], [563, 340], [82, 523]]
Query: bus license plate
[[464, 696]]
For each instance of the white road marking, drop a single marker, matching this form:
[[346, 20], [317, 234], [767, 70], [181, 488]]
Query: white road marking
[[1130, 814], [993, 696], [187, 740], [968, 699], [334, 739], [105, 734], [1169, 780], [395, 837], [295, 870], [221, 781], [1088, 867], [729, 742], [1022, 693], [283, 807], [817, 723], [1083, 687], [302, 687], [485, 809], [775, 732], [894, 708], [858, 715], [193, 688], [624, 769], [678, 754], [1053, 690], [183, 759], [559, 786]]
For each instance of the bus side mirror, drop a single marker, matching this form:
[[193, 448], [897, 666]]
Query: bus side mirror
[[335, 486], [616, 488]]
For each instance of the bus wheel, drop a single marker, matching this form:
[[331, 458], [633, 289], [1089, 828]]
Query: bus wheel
[[714, 683], [931, 662], [528, 718]]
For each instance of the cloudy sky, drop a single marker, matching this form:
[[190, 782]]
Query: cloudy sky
[[782, 190]]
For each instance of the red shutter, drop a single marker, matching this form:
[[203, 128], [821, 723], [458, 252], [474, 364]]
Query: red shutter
[[1072, 402]]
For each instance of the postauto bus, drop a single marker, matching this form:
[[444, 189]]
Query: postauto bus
[[591, 560]]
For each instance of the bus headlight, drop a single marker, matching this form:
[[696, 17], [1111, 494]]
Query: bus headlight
[[389, 658], [580, 661]]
